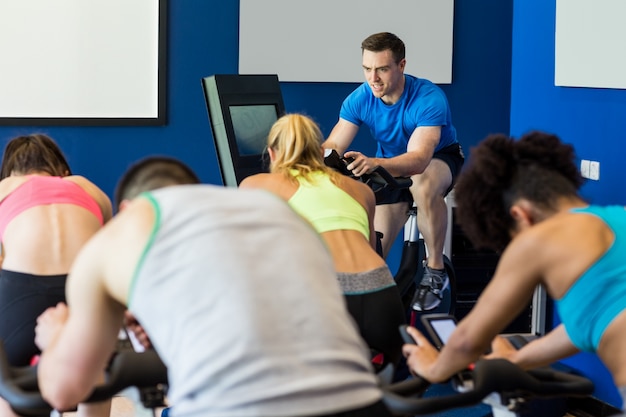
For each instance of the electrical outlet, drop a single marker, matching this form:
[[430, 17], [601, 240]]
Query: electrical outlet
[[594, 170], [584, 168]]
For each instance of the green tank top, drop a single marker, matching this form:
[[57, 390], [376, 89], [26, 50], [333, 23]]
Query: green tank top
[[327, 207]]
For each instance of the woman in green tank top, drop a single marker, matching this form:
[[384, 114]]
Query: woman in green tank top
[[341, 209]]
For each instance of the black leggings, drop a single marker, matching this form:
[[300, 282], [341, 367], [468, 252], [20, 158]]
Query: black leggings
[[23, 297], [378, 315]]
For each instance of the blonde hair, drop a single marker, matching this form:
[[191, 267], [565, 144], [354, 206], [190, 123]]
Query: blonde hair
[[296, 142]]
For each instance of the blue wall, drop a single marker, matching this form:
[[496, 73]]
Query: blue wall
[[592, 120]]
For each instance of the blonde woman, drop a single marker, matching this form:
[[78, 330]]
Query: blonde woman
[[341, 209]]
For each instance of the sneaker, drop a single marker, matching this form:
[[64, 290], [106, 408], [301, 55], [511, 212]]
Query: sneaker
[[430, 291]]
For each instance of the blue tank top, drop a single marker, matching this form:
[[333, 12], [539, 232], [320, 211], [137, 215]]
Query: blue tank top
[[422, 104], [599, 295]]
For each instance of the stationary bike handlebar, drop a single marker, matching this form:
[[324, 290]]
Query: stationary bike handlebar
[[378, 179], [19, 387], [486, 377]]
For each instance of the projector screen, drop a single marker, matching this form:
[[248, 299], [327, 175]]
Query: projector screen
[[320, 40], [589, 47], [82, 62]]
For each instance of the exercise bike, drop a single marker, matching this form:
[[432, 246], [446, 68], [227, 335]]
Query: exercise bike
[[127, 368], [505, 386], [507, 389], [498, 383], [414, 252]]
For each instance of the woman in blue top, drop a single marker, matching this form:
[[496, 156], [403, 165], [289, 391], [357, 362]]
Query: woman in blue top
[[341, 209], [521, 197]]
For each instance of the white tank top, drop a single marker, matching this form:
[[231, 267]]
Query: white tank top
[[241, 300]]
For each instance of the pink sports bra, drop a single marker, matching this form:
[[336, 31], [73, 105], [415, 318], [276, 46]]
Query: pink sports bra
[[43, 190]]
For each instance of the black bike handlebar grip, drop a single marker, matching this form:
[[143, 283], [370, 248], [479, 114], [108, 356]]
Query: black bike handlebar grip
[[395, 182], [128, 368], [18, 386], [517, 340], [23, 402], [495, 375]]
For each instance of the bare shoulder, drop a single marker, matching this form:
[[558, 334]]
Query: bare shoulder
[[557, 241], [80, 180], [9, 184], [92, 189], [85, 184], [359, 191], [124, 237], [138, 215], [275, 183], [256, 181]]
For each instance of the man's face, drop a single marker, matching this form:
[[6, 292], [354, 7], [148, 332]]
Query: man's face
[[384, 76]]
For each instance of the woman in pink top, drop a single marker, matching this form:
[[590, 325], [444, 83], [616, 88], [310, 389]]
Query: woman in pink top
[[46, 215]]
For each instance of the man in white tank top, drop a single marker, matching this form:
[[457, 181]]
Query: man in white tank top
[[240, 300]]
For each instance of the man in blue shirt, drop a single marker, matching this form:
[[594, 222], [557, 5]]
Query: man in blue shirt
[[410, 119]]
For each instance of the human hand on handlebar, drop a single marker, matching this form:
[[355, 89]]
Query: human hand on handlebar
[[133, 325], [360, 164], [502, 348], [421, 355], [49, 324]]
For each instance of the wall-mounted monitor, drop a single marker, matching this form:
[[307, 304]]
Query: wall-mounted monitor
[[242, 109]]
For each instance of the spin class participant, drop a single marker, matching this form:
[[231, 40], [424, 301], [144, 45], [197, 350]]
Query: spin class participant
[[341, 209], [148, 174], [46, 216], [232, 343], [521, 197], [410, 119]]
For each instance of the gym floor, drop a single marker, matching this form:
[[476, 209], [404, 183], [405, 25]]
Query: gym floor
[[127, 404]]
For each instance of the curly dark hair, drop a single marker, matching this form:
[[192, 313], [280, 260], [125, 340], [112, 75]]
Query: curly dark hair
[[501, 170]]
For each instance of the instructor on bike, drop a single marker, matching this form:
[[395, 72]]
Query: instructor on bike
[[410, 119]]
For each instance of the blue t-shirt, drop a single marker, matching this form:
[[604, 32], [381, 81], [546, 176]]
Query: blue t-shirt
[[422, 104]]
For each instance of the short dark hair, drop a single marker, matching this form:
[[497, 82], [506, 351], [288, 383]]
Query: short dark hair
[[33, 153], [151, 173], [383, 41]]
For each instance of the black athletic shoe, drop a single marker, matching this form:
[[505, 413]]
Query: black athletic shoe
[[430, 291]]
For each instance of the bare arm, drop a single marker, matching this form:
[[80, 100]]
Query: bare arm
[[506, 295], [543, 351], [341, 136], [75, 355], [252, 181], [79, 348], [420, 150]]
